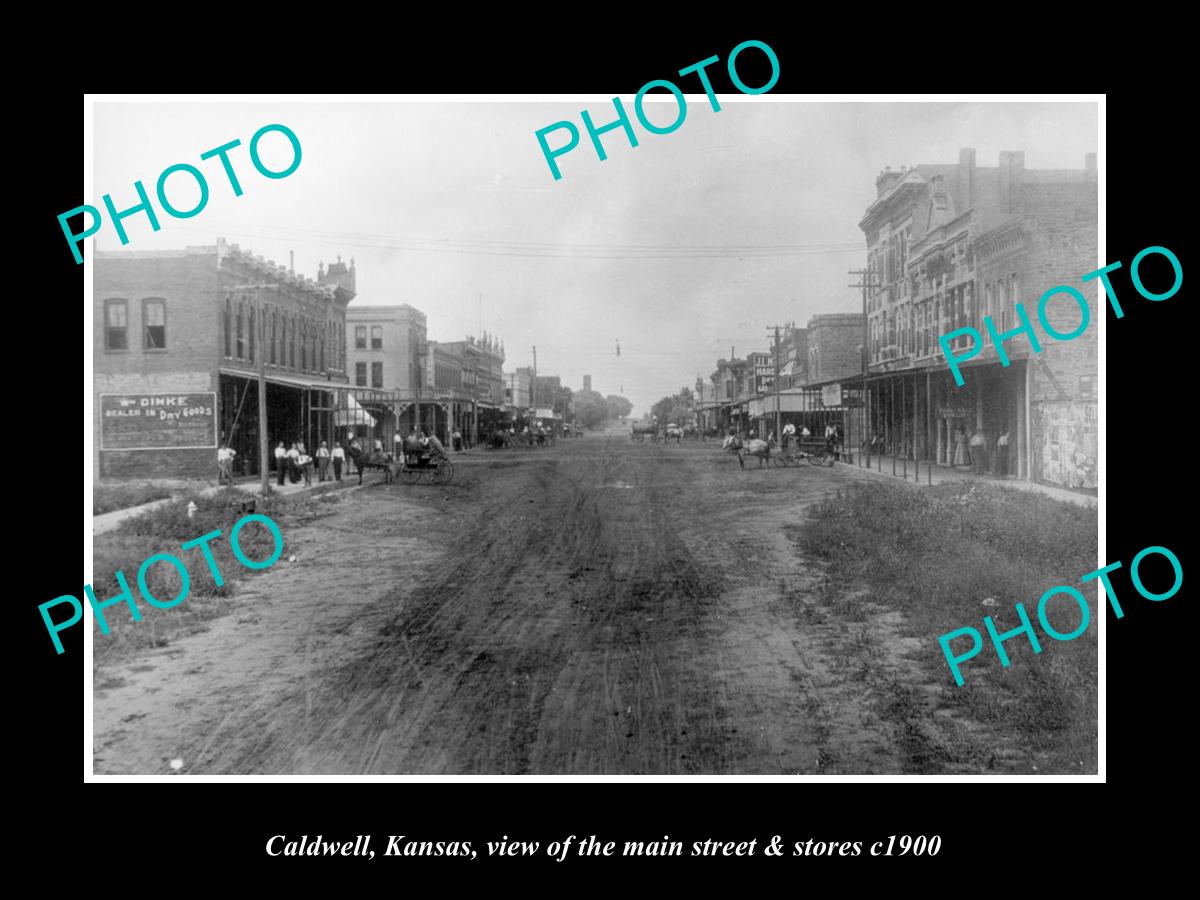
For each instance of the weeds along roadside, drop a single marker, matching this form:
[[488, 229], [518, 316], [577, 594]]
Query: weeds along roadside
[[163, 530], [936, 554], [111, 497]]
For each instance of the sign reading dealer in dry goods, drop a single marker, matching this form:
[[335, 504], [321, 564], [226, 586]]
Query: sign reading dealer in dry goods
[[158, 421]]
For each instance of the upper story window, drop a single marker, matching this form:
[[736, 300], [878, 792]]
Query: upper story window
[[116, 325], [376, 337], [228, 321], [376, 374], [360, 374], [241, 331], [360, 337], [154, 324]]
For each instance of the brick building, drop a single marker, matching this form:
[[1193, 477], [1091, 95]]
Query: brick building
[[468, 376], [947, 246], [385, 347], [179, 338], [834, 347]]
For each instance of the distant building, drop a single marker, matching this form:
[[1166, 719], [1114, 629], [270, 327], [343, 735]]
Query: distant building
[[516, 391], [179, 338], [587, 382], [834, 343], [385, 347], [470, 374]]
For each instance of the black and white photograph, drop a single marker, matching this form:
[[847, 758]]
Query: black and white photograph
[[694, 434]]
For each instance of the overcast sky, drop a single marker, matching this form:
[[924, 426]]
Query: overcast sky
[[443, 203]]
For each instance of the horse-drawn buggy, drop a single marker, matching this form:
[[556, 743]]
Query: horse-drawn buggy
[[812, 450], [411, 467], [424, 463]]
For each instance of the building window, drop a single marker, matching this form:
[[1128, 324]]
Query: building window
[[154, 324], [241, 331], [228, 326], [304, 345], [360, 337], [360, 374], [376, 374], [116, 325], [376, 337], [274, 334], [252, 322]]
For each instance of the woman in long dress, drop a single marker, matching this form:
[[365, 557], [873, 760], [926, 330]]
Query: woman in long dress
[[960, 447]]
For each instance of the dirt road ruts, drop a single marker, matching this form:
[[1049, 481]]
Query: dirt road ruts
[[599, 607]]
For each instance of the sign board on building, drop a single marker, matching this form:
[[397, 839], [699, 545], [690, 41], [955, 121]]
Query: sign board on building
[[158, 421], [956, 412], [831, 395]]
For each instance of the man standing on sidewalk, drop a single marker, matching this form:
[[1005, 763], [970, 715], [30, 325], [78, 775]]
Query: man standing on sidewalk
[[1002, 452], [978, 450], [280, 461]]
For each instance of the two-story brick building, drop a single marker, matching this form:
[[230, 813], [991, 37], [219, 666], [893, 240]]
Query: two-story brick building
[[948, 245], [178, 342]]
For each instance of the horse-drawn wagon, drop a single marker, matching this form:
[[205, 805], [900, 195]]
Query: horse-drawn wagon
[[425, 463]]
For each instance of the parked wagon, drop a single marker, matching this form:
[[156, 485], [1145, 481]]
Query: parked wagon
[[415, 465], [812, 450]]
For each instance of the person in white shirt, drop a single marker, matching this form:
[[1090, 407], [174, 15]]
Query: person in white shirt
[[338, 456], [788, 431], [1002, 453], [323, 462], [281, 461], [293, 457], [225, 464], [305, 464]]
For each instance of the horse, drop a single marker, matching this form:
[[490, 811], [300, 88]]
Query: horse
[[755, 447], [363, 460], [675, 432]]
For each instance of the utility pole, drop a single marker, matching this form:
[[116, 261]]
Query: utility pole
[[865, 283], [778, 414]]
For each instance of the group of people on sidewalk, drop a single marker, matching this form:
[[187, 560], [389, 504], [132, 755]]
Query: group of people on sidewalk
[[294, 463], [973, 452]]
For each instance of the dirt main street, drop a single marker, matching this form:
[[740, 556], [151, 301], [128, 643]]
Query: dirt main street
[[597, 607]]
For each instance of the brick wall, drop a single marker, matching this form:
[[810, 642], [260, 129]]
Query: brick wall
[[833, 342], [188, 283]]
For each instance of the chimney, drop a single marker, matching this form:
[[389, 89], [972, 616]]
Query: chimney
[[966, 177], [291, 262], [1012, 166]]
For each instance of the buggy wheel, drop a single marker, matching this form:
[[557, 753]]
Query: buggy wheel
[[443, 472], [410, 476]]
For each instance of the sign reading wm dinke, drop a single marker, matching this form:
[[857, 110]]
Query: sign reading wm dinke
[[158, 421]]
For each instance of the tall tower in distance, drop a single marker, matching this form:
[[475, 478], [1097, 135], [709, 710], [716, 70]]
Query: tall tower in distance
[[587, 382]]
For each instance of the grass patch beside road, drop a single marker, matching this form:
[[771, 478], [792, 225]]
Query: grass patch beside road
[[936, 554], [110, 497], [163, 530]]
